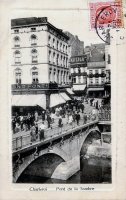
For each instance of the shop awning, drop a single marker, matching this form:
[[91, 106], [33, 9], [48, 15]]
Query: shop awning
[[56, 99], [95, 89], [79, 87], [65, 96], [29, 100], [69, 90]]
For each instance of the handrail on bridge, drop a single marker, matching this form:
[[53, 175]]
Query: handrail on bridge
[[24, 141]]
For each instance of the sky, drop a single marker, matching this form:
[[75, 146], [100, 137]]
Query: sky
[[71, 17]]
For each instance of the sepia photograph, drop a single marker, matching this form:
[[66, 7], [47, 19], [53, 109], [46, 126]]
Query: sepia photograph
[[61, 63]]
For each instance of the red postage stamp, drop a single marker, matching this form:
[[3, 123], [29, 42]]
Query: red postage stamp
[[106, 14]]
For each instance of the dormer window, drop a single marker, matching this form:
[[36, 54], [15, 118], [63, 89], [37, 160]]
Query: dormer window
[[16, 30], [33, 29]]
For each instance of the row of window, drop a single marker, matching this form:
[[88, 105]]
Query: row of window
[[58, 59], [96, 81], [32, 29], [59, 77], [62, 79], [34, 56], [96, 71], [33, 38], [78, 70], [79, 79], [78, 59], [52, 42], [34, 75]]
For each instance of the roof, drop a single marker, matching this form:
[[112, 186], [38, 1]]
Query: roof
[[28, 21], [97, 58], [33, 21], [96, 51]]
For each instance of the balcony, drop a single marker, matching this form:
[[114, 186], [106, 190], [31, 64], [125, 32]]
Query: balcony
[[33, 44], [18, 62], [34, 61], [95, 85], [79, 74], [96, 75], [17, 45]]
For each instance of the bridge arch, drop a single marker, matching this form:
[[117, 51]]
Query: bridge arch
[[55, 153], [89, 137], [93, 133]]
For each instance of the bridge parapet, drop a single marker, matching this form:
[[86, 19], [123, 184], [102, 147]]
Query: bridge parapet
[[23, 143], [66, 145]]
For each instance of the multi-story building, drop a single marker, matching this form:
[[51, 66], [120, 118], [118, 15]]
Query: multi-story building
[[39, 58], [78, 67], [96, 74], [76, 47], [108, 50]]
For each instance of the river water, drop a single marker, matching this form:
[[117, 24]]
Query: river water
[[93, 170]]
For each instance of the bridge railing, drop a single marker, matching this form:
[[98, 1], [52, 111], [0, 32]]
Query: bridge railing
[[26, 140]]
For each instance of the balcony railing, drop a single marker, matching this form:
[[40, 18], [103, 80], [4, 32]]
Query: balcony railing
[[34, 61], [95, 85], [96, 75], [79, 74]]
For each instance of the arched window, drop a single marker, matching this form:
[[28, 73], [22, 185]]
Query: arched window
[[61, 60], [18, 74], [53, 42], [34, 72], [54, 57], [17, 55], [109, 59], [33, 39], [49, 40], [34, 55], [16, 41], [49, 56]]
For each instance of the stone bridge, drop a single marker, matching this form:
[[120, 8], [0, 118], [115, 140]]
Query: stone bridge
[[57, 157]]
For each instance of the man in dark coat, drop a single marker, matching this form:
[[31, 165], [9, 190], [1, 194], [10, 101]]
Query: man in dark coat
[[77, 118]]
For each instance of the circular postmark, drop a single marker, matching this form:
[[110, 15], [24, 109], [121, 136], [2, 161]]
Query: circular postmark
[[106, 19]]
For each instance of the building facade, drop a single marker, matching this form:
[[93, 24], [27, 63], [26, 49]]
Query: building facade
[[96, 71], [108, 52], [39, 57], [76, 47], [78, 67]]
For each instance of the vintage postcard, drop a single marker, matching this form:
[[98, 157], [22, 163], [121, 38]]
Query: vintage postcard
[[62, 108]]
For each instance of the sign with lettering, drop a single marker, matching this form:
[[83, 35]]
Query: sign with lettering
[[29, 86]]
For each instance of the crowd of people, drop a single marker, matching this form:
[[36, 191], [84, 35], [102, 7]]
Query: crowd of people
[[73, 111]]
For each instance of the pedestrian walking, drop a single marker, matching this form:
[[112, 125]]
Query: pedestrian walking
[[36, 116], [41, 131], [60, 124], [70, 119], [49, 120], [33, 133], [78, 117]]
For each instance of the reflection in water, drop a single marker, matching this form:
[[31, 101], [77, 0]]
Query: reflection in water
[[93, 170]]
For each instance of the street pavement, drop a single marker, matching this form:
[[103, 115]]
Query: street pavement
[[55, 129]]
